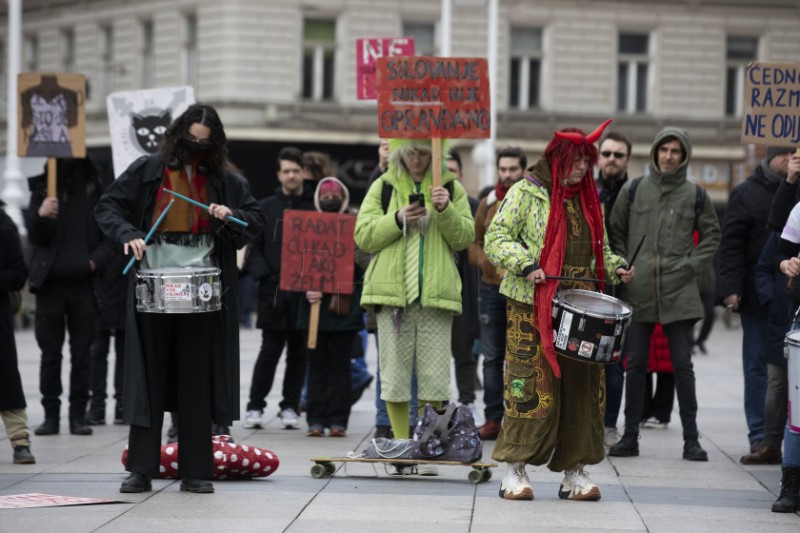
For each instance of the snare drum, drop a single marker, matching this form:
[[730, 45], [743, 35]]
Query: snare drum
[[589, 326], [178, 290]]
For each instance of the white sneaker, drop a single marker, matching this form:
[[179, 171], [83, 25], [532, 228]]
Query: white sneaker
[[427, 470], [289, 418], [516, 485], [400, 469], [578, 486], [653, 423], [252, 420], [611, 437], [477, 415]]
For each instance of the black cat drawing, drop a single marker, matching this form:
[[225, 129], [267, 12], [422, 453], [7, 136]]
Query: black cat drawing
[[150, 129]]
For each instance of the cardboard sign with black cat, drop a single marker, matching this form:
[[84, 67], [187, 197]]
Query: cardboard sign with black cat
[[139, 119]]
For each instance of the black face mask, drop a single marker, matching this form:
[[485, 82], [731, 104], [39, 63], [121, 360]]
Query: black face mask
[[195, 149], [331, 205]]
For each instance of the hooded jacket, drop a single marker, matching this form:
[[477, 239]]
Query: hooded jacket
[[448, 231], [668, 267]]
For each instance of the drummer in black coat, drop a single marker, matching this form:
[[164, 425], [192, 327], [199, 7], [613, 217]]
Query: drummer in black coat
[[187, 362]]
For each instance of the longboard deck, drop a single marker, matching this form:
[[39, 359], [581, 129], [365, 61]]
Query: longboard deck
[[324, 466]]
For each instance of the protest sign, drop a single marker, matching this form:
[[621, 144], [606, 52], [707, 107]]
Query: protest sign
[[433, 97], [317, 252], [367, 53], [771, 104], [52, 115], [138, 120], [35, 499]]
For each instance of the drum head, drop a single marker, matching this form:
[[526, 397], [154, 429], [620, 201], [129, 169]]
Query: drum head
[[594, 303]]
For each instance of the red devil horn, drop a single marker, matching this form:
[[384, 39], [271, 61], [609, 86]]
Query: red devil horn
[[573, 136], [592, 137]]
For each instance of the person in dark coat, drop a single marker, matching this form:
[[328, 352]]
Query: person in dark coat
[[13, 273], [69, 250], [183, 362], [743, 236], [277, 309]]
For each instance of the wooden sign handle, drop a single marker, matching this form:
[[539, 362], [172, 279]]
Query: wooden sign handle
[[436, 160], [313, 325], [51, 178]]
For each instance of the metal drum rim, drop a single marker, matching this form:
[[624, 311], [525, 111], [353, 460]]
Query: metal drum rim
[[791, 340], [627, 314], [179, 271]]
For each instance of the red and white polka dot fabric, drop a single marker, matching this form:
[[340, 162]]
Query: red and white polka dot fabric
[[231, 460]]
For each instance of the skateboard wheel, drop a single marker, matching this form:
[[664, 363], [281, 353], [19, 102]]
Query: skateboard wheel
[[318, 471], [475, 476], [487, 474], [329, 469]]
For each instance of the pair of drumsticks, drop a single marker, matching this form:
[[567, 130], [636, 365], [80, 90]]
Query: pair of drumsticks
[[164, 213]]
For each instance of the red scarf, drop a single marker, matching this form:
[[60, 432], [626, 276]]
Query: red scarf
[[552, 257], [500, 191]]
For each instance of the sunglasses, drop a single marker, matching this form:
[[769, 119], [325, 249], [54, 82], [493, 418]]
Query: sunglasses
[[617, 155]]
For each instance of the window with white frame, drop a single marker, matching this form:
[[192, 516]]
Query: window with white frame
[[31, 53], [190, 53], [107, 58], [525, 67], [424, 35], [632, 72], [147, 74], [68, 49], [739, 51], [319, 59]]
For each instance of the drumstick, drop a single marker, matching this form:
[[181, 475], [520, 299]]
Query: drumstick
[[636, 252], [204, 206], [569, 278], [149, 234]]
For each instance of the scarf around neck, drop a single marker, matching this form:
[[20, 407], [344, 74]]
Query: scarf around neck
[[555, 242]]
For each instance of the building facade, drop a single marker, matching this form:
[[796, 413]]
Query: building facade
[[283, 71]]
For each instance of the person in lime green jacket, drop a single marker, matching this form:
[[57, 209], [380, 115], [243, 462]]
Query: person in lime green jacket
[[553, 405], [412, 280]]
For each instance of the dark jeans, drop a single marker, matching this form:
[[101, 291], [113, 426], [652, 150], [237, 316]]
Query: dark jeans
[[329, 390], [272, 344], [465, 364], [68, 306], [754, 365], [615, 383], [679, 337], [177, 359], [492, 309], [99, 366]]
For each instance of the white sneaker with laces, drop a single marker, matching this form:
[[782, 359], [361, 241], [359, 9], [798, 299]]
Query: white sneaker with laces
[[578, 486], [427, 470], [252, 420], [611, 437], [653, 423], [289, 419], [516, 485]]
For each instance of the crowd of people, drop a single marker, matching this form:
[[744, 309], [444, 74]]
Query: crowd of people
[[440, 278]]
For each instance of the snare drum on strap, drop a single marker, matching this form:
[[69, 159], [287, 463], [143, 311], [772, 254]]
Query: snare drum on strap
[[589, 326], [178, 290]]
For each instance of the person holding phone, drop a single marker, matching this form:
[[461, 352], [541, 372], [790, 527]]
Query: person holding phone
[[412, 280]]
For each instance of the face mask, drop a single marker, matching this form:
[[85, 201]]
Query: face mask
[[195, 149], [331, 205]]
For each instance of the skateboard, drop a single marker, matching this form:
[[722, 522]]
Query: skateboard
[[325, 466]]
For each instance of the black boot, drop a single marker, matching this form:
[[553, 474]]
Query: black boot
[[118, 419], [198, 486], [78, 426], [48, 427], [790, 491], [97, 415], [628, 446], [692, 451], [135, 483]]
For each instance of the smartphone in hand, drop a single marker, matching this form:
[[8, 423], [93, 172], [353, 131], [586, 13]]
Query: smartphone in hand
[[417, 198]]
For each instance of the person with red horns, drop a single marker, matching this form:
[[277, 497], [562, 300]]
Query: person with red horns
[[553, 406]]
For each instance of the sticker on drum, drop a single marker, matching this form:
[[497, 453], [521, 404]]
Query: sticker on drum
[[563, 330], [605, 348], [573, 344], [586, 349], [177, 292], [204, 292], [616, 355]]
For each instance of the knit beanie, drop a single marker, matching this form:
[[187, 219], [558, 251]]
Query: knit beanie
[[772, 151]]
